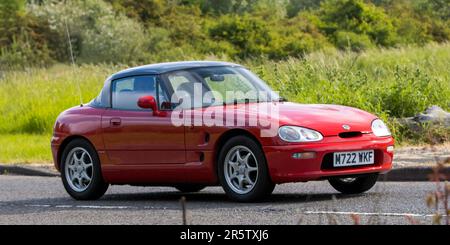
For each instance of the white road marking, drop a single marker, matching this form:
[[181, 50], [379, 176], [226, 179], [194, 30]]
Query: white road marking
[[103, 207], [63, 206], [370, 214], [78, 206], [306, 212], [38, 205]]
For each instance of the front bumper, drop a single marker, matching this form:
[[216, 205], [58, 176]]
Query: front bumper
[[283, 168], [55, 143]]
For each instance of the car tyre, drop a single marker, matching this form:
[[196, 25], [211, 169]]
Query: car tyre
[[354, 185], [81, 171], [234, 172]]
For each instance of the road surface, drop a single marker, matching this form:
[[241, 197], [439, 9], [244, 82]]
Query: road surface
[[42, 200]]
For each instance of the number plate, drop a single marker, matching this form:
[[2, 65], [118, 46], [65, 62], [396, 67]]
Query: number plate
[[353, 158]]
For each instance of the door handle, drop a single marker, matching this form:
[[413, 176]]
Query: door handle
[[115, 121]]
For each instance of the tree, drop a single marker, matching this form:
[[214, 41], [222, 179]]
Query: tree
[[149, 11], [357, 17], [249, 35], [296, 6], [12, 13]]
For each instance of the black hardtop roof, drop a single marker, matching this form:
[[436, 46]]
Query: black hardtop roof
[[167, 67]]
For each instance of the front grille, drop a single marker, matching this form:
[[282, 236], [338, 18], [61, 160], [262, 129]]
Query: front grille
[[350, 134], [327, 161]]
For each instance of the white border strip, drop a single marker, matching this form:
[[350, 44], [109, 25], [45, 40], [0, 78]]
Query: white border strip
[[370, 214]]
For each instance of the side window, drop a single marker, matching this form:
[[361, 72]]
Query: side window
[[188, 87], [126, 92], [177, 79]]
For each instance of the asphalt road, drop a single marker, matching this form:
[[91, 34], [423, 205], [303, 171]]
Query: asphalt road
[[42, 200]]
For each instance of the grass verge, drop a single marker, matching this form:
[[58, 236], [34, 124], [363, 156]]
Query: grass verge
[[25, 148]]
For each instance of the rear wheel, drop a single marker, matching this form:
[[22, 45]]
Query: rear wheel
[[190, 188], [354, 185], [80, 171], [243, 171]]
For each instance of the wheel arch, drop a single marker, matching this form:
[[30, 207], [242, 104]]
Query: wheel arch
[[227, 136], [64, 144]]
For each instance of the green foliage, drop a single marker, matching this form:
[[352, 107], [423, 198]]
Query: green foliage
[[11, 20], [137, 32], [341, 17], [436, 8], [227, 6], [21, 54], [190, 32], [98, 33], [353, 41], [249, 35], [290, 43], [20, 37], [144, 11], [390, 83], [299, 37], [419, 21], [296, 6]]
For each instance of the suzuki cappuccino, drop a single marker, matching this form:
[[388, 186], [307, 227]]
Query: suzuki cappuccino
[[190, 125]]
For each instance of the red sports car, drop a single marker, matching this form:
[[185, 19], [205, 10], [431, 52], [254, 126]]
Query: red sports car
[[195, 124]]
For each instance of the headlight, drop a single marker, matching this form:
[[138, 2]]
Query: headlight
[[379, 128], [298, 134]]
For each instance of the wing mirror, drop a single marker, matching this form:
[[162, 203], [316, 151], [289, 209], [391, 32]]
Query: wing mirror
[[149, 102]]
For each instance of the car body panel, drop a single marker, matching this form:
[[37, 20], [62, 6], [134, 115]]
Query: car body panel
[[79, 121], [284, 168], [327, 119], [131, 142]]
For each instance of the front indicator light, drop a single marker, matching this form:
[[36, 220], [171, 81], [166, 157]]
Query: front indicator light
[[390, 148], [304, 155]]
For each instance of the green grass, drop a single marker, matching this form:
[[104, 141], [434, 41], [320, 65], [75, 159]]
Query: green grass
[[25, 148], [395, 83], [390, 83]]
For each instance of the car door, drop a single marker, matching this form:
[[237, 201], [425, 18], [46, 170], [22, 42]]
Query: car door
[[134, 136]]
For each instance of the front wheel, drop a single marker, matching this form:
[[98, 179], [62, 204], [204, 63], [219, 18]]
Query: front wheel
[[243, 171], [354, 185], [80, 171]]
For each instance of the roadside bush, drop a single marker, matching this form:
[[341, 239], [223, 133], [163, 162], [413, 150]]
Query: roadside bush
[[352, 41], [114, 40], [250, 36], [21, 43], [12, 21], [355, 16], [295, 6], [98, 33], [184, 24], [143, 11], [298, 37], [21, 54]]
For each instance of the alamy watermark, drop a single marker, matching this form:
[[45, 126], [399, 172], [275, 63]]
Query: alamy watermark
[[198, 107]]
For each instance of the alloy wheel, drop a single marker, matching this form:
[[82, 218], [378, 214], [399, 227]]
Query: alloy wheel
[[241, 169], [79, 169]]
